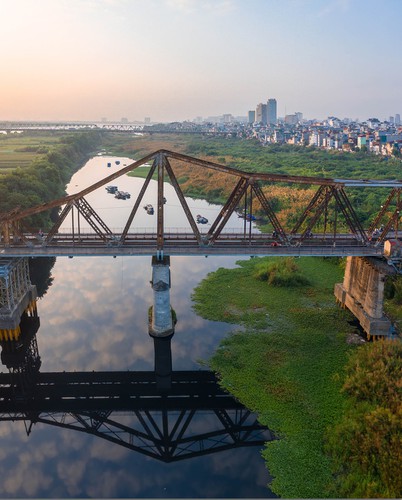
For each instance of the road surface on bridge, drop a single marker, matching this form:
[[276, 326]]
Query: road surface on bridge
[[185, 244]]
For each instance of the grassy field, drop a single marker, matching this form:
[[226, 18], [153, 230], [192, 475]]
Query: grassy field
[[19, 150], [285, 364]]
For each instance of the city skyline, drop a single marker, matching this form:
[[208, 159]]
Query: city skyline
[[174, 60]]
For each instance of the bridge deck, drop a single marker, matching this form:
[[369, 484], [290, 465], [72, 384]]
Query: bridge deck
[[185, 244]]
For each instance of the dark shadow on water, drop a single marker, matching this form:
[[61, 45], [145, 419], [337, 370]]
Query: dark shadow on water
[[166, 416]]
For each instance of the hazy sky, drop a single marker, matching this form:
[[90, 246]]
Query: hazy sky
[[178, 59]]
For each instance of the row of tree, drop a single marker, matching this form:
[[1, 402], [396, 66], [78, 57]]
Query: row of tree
[[46, 178]]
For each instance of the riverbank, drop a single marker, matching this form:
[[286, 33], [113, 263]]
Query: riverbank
[[284, 364]]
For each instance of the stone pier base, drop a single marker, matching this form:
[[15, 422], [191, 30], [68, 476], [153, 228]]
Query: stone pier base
[[161, 321], [362, 292]]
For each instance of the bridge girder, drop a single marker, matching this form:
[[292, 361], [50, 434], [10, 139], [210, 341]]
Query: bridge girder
[[247, 184]]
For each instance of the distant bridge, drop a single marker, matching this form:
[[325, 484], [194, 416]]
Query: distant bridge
[[340, 233], [108, 126]]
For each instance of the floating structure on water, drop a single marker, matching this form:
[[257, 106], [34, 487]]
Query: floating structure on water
[[201, 220], [122, 195]]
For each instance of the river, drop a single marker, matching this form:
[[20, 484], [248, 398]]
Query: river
[[94, 317]]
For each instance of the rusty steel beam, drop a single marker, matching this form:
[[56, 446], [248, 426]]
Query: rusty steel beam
[[316, 200], [328, 188], [269, 212], [72, 197], [227, 210], [393, 221], [350, 215], [183, 201], [383, 210], [160, 204], [321, 204], [215, 166], [93, 219], [251, 175], [223, 210], [137, 202], [62, 216]]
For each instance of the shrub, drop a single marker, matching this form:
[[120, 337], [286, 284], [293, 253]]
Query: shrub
[[281, 272], [367, 444]]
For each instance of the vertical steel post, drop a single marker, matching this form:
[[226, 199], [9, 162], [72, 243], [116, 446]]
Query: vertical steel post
[[244, 214], [79, 226], [72, 223], [160, 207], [251, 215], [335, 220]]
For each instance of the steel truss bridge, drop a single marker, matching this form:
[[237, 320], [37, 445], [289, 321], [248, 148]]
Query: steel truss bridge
[[328, 225], [141, 128]]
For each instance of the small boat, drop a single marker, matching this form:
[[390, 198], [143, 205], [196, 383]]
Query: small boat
[[250, 217], [122, 195], [111, 189], [149, 209], [201, 219]]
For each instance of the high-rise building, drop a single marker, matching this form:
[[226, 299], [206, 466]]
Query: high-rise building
[[271, 111], [261, 113], [291, 119], [299, 116], [397, 119], [251, 117]]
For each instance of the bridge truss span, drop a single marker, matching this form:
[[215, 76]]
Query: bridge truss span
[[327, 224]]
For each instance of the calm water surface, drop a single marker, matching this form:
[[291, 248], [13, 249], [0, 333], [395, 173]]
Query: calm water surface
[[94, 317]]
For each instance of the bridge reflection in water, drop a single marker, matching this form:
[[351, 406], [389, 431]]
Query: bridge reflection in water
[[164, 414]]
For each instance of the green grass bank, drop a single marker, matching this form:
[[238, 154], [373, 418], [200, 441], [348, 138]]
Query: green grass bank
[[285, 363]]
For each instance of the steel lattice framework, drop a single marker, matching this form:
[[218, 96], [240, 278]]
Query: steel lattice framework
[[330, 198]]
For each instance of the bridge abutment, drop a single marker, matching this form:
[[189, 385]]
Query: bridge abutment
[[19, 323], [17, 295], [362, 292]]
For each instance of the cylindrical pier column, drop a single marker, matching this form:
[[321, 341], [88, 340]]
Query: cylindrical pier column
[[161, 321], [161, 324]]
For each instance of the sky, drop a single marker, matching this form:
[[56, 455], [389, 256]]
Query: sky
[[175, 60]]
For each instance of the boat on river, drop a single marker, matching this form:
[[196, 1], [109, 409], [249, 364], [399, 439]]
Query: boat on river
[[122, 195], [201, 220], [149, 209]]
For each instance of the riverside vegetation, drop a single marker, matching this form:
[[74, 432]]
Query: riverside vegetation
[[53, 160], [287, 363], [339, 431]]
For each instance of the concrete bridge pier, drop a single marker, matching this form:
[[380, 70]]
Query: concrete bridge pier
[[17, 295], [362, 292], [161, 322], [19, 323]]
